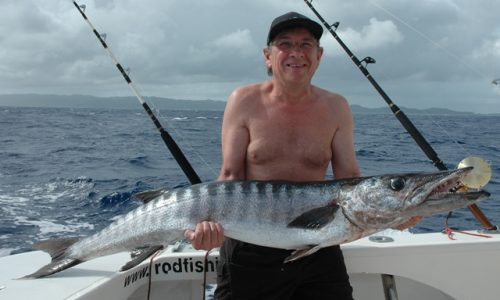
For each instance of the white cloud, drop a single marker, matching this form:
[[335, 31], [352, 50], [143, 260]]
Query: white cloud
[[377, 34], [237, 43], [489, 50], [240, 40]]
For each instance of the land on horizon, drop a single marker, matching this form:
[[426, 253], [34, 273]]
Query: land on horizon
[[87, 101]]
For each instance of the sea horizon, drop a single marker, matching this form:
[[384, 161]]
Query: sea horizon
[[130, 102]]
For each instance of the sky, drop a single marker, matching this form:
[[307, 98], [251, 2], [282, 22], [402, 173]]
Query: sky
[[429, 53]]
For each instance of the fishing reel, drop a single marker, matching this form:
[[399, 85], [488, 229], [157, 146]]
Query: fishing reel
[[479, 176], [476, 179]]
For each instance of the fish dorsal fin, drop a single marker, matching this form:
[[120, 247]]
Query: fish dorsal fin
[[55, 247], [315, 218], [147, 196]]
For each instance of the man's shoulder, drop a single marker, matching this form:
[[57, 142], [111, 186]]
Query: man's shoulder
[[248, 95], [246, 99], [250, 90], [332, 98]]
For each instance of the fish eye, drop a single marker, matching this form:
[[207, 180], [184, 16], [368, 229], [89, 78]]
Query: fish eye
[[397, 184]]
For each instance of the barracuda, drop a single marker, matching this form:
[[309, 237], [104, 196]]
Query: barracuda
[[303, 216]]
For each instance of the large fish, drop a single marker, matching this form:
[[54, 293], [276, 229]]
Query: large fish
[[304, 216]]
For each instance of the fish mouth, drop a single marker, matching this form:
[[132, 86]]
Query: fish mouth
[[446, 187], [450, 183]]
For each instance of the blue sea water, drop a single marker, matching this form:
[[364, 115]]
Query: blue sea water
[[67, 172]]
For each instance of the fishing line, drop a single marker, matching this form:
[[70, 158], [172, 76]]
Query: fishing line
[[150, 279], [450, 231], [205, 271], [187, 144], [454, 141], [447, 52], [495, 82], [427, 38], [400, 115], [166, 137]]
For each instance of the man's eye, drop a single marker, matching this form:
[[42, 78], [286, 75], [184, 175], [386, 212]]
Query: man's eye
[[285, 45], [306, 46]]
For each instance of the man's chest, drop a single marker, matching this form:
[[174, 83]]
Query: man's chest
[[300, 141]]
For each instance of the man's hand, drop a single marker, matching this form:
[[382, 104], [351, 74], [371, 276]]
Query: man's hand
[[410, 223], [206, 236]]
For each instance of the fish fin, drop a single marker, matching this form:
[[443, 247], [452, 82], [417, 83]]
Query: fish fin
[[141, 256], [55, 247], [297, 254], [54, 267], [60, 260], [147, 196], [315, 218]]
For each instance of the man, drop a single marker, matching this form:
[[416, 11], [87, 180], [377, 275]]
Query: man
[[284, 128]]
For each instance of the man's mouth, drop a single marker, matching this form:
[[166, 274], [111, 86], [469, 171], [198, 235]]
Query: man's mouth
[[296, 65]]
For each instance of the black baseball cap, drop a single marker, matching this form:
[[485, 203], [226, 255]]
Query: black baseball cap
[[293, 20]]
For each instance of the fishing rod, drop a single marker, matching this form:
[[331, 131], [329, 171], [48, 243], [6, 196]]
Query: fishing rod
[[166, 137], [400, 115]]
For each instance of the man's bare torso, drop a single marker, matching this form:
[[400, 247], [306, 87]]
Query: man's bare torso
[[289, 140]]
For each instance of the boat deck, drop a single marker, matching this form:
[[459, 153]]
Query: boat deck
[[425, 266]]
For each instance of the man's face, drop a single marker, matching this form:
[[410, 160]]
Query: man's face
[[293, 55]]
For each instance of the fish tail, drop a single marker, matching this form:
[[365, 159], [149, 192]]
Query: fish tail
[[57, 249]]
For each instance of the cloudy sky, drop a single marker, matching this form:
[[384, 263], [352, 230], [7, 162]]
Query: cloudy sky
[[429, 53]]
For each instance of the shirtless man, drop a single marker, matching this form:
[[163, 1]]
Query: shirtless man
[[284, 128]]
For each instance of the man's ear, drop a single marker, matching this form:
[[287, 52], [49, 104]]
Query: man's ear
[[320, 53], [267, 60], [267, 55]]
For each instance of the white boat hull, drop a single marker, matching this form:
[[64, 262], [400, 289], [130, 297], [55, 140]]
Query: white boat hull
[[424, 266]]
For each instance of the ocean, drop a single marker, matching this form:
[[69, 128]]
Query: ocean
[[72, 171]]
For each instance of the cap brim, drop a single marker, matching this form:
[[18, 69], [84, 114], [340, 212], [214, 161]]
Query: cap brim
[[313, 27]]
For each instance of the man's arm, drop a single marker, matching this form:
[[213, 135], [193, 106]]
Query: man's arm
[[344, 162], [235, 139], [344, 157]]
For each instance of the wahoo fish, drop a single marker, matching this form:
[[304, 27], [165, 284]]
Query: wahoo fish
[[300, 216]]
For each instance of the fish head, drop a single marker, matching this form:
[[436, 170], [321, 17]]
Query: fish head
[[379, 202]]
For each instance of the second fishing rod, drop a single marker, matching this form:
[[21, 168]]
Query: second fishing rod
[[166, 137], [400, 115]]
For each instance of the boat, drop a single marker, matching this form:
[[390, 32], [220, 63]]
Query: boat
[[387, 265]]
